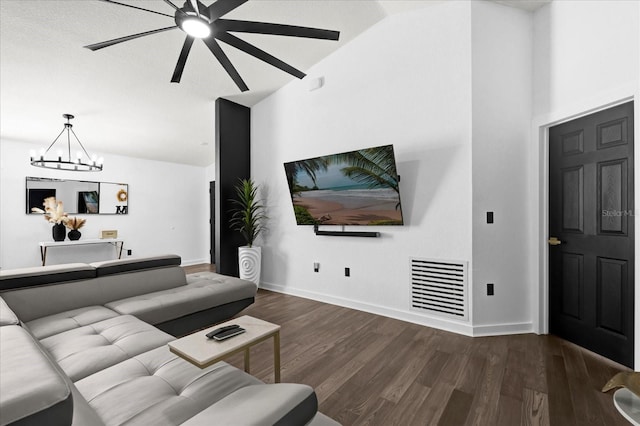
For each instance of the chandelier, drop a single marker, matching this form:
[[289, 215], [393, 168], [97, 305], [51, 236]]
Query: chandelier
[[83, 162]]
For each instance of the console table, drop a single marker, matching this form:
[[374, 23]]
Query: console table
[[44, 245]]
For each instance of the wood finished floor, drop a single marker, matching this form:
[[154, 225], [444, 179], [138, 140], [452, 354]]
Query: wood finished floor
[[372, 370]]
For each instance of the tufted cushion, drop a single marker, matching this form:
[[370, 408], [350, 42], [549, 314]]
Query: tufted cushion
[[58, 323], [84, 350], [161, 306], [168, 390]]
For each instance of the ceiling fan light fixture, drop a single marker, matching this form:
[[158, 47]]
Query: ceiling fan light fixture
[[196, 26], [205, 22]]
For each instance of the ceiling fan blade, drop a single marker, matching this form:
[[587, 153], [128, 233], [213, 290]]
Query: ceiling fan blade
[[195, 6], [136, 7], [182, 59], [222, 7], [172, 5], [108, 43], [258, 53], [217, 51], [276, 29]]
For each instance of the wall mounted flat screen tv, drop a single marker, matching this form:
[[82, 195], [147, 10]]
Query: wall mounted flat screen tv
[[350, 188]]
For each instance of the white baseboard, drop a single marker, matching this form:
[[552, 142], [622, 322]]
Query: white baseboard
[[412, 317], [430, 321], [502, 329]]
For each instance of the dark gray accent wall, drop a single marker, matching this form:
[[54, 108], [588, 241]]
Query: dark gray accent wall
[[233, 162]]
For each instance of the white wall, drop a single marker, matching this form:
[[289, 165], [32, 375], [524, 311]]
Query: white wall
[[450, 87], [406, 81], [168, 211], [586, 58], [210, 172], [501, 115], [582, 50]]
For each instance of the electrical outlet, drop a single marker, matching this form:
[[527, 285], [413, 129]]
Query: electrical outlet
[[490, 289], [489, 217], [316, 267], [347, 272], [129, 252]]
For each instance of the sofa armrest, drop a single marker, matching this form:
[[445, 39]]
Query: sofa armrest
[[7, 316], [32, 390]]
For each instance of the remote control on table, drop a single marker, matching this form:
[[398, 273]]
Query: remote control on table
[[229, 333], [212, 333]]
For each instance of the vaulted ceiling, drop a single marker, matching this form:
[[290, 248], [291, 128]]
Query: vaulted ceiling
[[122, 97]]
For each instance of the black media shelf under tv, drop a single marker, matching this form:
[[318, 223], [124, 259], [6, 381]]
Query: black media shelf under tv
[[345, 233]]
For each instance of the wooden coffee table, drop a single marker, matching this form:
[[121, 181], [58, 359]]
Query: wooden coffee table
[[203, 352]]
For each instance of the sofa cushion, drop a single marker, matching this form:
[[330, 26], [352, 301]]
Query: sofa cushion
[[159, 388], [119, 266], [85, 350], [276, 404], [7, 316], [41, 275], [58, 323], [161, 306], [32, 389]]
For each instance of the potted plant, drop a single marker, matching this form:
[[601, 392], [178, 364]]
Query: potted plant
[[247, 218]]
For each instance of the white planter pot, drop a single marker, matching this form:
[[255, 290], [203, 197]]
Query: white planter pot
[[249, 259]]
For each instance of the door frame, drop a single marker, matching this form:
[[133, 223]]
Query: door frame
[[539, 179]]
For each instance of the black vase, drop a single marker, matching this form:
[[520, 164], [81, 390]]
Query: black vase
[[74, 235], [59, 232]]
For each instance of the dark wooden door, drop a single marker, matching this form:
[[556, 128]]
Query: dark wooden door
[[591, 229]]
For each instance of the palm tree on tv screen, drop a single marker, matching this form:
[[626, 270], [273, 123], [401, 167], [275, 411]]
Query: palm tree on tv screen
[[374, 167], [309, 167]]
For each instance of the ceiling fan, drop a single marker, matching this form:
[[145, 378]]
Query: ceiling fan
[[206, 23]]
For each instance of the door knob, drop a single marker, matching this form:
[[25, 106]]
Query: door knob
[[553, 241]]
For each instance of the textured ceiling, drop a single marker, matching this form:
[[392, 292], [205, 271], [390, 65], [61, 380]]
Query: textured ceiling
[[122, 97]]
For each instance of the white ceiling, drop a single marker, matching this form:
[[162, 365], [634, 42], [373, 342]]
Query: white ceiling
[[122, 97]]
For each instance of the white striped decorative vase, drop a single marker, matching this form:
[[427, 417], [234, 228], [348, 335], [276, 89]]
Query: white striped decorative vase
[[249, 259]]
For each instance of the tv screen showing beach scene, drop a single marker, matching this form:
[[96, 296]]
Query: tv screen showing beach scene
[[351, 188]]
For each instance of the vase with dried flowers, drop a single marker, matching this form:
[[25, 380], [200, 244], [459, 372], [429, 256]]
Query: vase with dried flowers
[[54, 213], [74, 223]]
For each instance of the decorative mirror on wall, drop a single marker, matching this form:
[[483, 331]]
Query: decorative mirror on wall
[[79, 197]]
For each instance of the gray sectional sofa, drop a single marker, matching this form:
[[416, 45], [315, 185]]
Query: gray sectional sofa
[[87, 345]]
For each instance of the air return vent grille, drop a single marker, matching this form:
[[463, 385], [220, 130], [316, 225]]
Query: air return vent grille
[[439, 287]]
